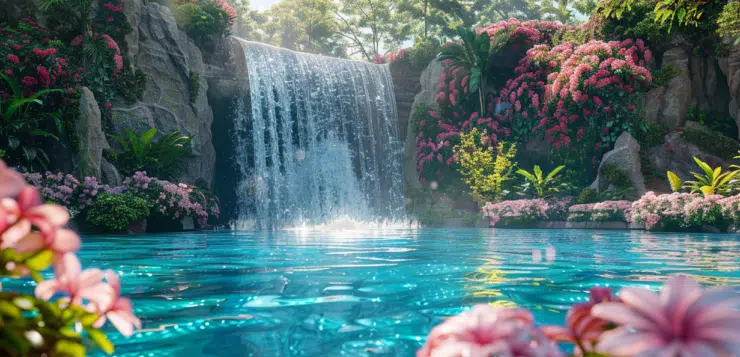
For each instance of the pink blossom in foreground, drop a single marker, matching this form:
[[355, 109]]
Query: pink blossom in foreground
[[488, 331], [681, 320], [117, 310], [76, 283], [581, 327], [11, 182]]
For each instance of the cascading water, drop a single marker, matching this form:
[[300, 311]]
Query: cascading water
[[316, 140]]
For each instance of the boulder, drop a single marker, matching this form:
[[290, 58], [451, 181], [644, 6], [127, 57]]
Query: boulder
[[678, 155], [653, 104], [678, 93], [708, 93], [626, 156], [730, 66], [110, 174], [132, 11], [168, 57], [91, 137]]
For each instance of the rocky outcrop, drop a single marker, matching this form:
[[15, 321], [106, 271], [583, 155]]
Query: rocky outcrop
[[132, 11], [677, 155], [168, 57], [91, 137], [730, 66], [109, 174], [653, 105], [625, 156], [709, 88], [678, 93], [405, 87]]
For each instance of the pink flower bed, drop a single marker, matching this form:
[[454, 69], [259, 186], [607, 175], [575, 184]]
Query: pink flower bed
[[601, 212], [680, 320], [525, 210], [680, 210]]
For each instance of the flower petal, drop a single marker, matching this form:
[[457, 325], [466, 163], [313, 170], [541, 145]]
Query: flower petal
[[621, 342], [55, 215], [622, 314], [28, 198], [65, 241], [47, 288], [121, 323], [11, 182], [13, 234], [32, 242], [557, 333], [676, 297]]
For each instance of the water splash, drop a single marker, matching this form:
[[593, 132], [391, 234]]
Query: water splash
[[316, 140]]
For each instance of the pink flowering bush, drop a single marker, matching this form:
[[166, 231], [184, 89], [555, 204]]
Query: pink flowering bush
[[681, 210], [581, 97], [601, 212], [66, 190], [680, 320], [526, 210], [33, 238]]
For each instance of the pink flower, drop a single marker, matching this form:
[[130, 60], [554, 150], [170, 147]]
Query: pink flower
[[118, 61], [11, 184], [109, 19], [107, 105], [8, 72], [78, 284], [13, 59], [488, 331], [581, 327], [682, 320], [28, 212], [117, 309]]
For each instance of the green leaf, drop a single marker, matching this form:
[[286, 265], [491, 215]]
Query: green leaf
[[674, 180], [70, 349], [554, 172], [29, 153], [707, 190], [537, 172], [9, 310], [101, 340], [40, 261], [474, 83], [44, 133], [13, 142], [704, 167]]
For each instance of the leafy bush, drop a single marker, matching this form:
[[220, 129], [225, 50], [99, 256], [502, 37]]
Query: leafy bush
[[526, 211], [588, 195], [131, 85], [724, 124], [712, 142], [677, 211], [601, 212], [662, 76], [650, 135], [543, 186], [616, 176], [423, 52], [163, 158], [485, 169], [710, 181], [635, 21], [194, 84], [729, 21], [203, 19], [114, 213]]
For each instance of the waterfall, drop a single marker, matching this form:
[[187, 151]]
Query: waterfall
[[316, 140]]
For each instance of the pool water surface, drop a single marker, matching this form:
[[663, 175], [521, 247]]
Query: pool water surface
[[372, 293]]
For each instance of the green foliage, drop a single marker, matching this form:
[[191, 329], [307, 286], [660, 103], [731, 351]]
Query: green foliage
[[163, 158], [420, 113], [588, 195], [615, 8], [683, 12], [638, 23], [712, 142], [423, 52], [724, 124], [650, 136], [729, 21], [616, 176], [544, 186], [485, 169], [710, 181], [21, 120], [662, 76], [131, 85], [194, 86], [202, 20], [368, 25], [113, 213], [300, 25], [473, 54], [674, 181]]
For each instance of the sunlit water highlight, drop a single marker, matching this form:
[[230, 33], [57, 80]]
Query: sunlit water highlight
[[377, 293]]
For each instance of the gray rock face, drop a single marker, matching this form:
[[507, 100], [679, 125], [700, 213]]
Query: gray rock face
[[626, 156], [168, 56], [731, 68], [678, 94], [678, 155], [91, 137], [708, 92], [132, 11], [653, 105], [109, 173]]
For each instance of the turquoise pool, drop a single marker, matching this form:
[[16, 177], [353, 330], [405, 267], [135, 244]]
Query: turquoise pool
[[372, 293]]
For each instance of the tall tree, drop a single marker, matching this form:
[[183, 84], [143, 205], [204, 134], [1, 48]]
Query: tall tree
[[304, 25], [437, 16], [368, 27]]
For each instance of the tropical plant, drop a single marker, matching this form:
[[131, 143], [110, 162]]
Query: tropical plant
[[203, 19], [710, 182], [729, 21], [485, 169], [615, 8], [19, 121], [544, 186], [473, 55], [163, 158], [113, 213], [687, 12]]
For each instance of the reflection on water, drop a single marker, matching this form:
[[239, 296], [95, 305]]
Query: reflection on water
[[374, 292]]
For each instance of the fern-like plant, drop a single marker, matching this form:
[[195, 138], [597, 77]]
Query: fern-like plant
[[544, 186], [473, 54], [162, 158]]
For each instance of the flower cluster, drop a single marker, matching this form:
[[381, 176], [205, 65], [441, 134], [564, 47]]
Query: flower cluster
[[601, 212], [519, 211], [580, 96], [66, 190], [682, 319], [33, 237], [684, 210]]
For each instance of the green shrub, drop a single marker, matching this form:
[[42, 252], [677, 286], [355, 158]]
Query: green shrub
[[420, 113], [202, 20], [588, 195], [163, 158], [662, 76], [712, 142], [729, 21], [113, 213], [616, 176], [131, 85], [194, 86], [723, 124], [423, 52]]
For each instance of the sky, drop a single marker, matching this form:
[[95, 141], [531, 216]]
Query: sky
[[262, 5]]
